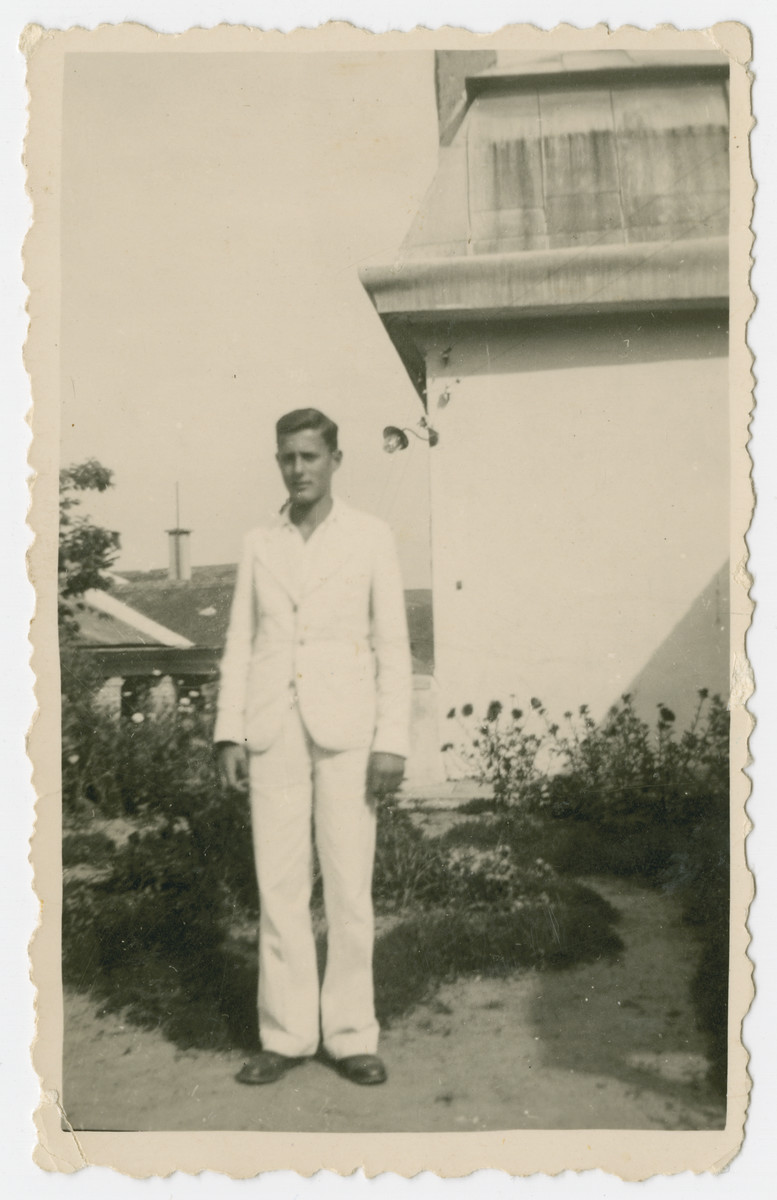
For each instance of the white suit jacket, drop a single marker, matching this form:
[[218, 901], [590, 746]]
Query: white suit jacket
[[337, 637]]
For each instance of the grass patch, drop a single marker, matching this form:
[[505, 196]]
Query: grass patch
[[413, 959]]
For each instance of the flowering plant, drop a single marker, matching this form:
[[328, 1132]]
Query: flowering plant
[[491, 878], [614, 769]]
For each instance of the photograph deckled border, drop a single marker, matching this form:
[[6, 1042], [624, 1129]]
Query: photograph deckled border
[[421, 296]]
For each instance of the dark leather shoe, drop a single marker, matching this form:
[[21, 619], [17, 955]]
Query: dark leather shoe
[[266, 1067], [362, 1068]]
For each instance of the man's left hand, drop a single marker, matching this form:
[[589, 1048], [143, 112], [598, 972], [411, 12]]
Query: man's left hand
[[384, 774]]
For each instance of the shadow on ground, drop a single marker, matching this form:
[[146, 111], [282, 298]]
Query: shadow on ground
[[632, 1019], [203, 996]]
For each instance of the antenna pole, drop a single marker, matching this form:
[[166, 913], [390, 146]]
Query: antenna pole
[[177, 509]]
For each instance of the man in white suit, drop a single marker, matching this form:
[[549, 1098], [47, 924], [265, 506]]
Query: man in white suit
[[313, 719]]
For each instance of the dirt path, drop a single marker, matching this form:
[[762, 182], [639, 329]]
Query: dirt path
[[606, 1045]]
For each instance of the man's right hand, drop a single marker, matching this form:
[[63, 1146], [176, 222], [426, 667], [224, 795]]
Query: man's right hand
[[233, 766]]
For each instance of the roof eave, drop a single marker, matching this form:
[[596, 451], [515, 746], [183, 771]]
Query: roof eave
[[543, 284], [690, 69]]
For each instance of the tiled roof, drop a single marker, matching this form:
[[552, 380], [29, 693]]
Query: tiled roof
[[102, 629], [197, 609]]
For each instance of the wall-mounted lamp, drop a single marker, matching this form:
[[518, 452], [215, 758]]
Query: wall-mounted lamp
[[395, 438]]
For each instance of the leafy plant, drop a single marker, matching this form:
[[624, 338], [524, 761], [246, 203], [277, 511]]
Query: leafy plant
[[86, 550], [619, 770], [409, 869]]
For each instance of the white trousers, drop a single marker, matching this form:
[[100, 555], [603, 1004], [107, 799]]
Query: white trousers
[[297, 787]]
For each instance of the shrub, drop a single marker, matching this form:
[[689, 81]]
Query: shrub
[[618, 768], [159, 864], [493, 880], [409, 869], [81, 848]]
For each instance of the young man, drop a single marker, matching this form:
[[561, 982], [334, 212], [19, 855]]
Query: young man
[[313, 719]]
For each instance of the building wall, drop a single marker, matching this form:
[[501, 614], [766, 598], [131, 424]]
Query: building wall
[[579, 500], [425, 762], [695, 655]]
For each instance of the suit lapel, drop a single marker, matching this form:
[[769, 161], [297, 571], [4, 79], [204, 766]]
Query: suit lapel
[[272, 551], [328, 550]]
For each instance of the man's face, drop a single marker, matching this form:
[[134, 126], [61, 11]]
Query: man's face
[[307, 466]]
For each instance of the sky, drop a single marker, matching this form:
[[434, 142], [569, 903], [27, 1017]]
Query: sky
[[216, 209]]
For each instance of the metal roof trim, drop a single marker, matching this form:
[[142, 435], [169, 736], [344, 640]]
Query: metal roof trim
[[568, 69], [695, 269]]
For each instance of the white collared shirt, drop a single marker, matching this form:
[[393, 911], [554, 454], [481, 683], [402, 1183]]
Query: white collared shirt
[[299, 552]]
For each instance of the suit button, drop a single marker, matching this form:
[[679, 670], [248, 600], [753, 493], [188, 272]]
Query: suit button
[[302, 641], [294, 607]]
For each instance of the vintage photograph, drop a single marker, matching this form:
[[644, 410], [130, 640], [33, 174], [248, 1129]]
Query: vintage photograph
[[397, 561]]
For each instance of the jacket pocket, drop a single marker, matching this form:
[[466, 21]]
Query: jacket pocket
[[336, 687], [267, 692]]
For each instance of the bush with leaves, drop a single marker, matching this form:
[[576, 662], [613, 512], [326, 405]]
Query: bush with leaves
[[615, 771], [86, 550], [179, 869], [410, 872]]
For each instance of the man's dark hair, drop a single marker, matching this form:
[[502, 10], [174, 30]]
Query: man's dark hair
[[307, 418]]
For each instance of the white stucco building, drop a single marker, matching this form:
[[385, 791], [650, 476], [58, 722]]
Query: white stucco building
[[561, 306]]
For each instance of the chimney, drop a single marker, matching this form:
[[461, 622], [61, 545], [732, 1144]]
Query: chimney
[[180, 567]]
